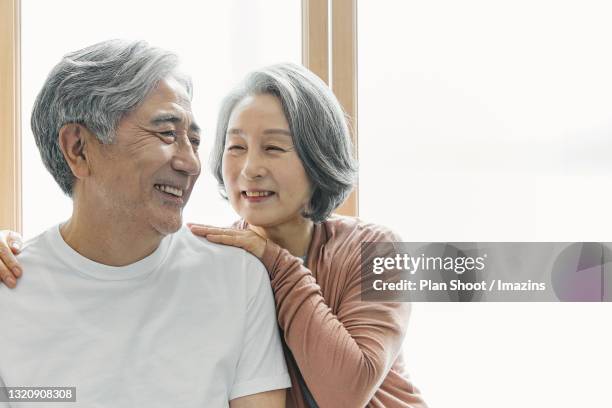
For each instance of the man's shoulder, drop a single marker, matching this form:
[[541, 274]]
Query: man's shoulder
[[37, 255], [184, 239], [35, 258], [197, 249], [34, 246]]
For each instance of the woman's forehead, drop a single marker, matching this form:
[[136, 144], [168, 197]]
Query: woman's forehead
[[268, 134], [254, 109]]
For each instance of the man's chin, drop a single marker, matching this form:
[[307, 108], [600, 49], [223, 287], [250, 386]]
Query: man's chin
[[169, 225]]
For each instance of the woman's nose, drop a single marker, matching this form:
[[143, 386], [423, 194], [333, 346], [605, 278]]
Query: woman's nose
[[254, 166]]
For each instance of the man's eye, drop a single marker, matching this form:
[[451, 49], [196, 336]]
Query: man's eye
[[168, 133]]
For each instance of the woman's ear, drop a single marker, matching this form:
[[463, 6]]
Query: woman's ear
[[73, 143]]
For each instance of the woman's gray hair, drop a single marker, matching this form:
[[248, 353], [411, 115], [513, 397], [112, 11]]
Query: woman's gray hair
[[95, 87], [318, 127]]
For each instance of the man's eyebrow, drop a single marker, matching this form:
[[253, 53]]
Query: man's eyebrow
[[172, 118], [194, 128], [165, 118]]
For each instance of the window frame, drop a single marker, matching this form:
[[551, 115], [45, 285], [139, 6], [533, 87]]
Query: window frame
[[334, 59], [10, 115]]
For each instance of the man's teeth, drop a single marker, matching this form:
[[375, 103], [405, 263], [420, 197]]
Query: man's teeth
[[257, 193], [170, 190]]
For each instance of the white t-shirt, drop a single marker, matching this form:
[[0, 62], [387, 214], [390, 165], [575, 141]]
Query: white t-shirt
[[191, 325]]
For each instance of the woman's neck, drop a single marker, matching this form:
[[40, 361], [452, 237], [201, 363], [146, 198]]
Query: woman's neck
[[294, 236]]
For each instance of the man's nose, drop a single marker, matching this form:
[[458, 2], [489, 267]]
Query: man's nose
[[186, 160], [254, 166]]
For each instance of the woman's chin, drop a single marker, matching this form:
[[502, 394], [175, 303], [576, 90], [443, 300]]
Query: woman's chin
[[261, 223], [260, 220], [271, 217]]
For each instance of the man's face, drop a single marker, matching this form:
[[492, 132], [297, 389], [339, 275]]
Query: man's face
[[145, 177]]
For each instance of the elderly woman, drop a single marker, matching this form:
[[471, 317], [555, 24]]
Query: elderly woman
[[283, 158]]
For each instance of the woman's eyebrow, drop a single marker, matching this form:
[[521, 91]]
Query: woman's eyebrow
[[277, 132], [234, 131], [273, 131]]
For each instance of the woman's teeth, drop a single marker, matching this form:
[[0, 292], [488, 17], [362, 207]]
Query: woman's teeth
[[170, 190], [258, 193]]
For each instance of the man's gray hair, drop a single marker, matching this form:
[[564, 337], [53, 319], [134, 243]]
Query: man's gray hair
[[95, 87], [318, 127]]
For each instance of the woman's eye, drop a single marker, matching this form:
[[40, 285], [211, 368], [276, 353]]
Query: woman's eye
[[194, 141], [274, 149], [235, 147]]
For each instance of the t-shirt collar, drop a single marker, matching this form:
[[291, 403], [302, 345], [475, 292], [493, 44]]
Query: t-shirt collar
[[105, 272]]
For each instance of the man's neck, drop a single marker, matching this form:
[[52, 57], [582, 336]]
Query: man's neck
[[108, 241]]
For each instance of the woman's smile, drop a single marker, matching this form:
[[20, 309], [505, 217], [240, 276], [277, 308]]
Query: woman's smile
[[257, 196]]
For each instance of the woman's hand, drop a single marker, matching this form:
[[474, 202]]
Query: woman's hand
[[10, 245], [245, 239]]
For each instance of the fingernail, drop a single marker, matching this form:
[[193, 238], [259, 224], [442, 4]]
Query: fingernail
[[16, 271], [10, 281], [16, 246]]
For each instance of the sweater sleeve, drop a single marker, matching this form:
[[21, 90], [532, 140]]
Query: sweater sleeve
[[345, 357]]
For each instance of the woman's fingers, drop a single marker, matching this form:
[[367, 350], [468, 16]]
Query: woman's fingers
[[226, 240], [204, 230], [8, 278], [14, 241], [9, 271], [10, 244], [244, 239]]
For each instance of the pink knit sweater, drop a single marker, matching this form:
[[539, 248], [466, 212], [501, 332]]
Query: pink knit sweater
[[348, 351]]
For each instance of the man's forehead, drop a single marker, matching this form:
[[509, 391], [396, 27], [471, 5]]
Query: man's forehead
[[171, 89], [167, 102]]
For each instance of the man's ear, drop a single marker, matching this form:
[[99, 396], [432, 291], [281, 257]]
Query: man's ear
[[73, 139]]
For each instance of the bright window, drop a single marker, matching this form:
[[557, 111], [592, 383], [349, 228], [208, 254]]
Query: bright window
[[492, 121]]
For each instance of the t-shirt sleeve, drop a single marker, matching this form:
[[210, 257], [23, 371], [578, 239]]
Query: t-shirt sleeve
[[261, 366]]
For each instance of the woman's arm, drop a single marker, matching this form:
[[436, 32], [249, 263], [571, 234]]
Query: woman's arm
[[345, 357], [10, 245]]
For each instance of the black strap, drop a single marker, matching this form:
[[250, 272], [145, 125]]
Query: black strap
[[308, 398]]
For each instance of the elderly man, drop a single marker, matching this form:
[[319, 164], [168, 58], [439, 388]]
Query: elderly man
[[116, 302]]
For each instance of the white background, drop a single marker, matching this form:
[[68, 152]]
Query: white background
[[492, 121], [478, 121]]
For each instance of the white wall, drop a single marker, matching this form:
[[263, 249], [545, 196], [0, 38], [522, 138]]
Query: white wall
[[492, 121]]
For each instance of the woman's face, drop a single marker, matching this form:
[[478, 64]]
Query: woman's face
[[264, 178]]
